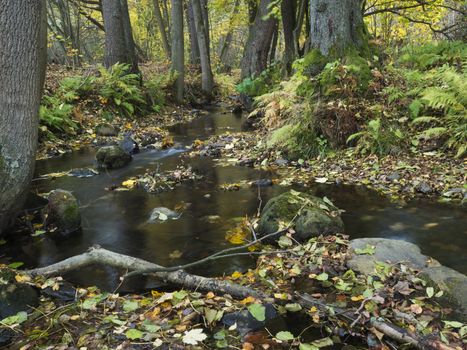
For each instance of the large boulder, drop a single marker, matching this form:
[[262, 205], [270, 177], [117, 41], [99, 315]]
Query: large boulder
[[16, 297], [63, 211], [367, 251], [452, 283], [386, 250], [313, 216], [112, 157]]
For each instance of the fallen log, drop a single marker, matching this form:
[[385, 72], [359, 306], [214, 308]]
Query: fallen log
[[98, 255]]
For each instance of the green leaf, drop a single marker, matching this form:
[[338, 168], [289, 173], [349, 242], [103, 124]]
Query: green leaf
[[15, 265], [134, 334], [258, 311], [115, 320], [285, 336], [284, 242], [453, 324], [368, 250], [430, 292], [19, 318], [307, 347], [180, 295], [322, 277], [150, 327], [322, 343], [293, 307], [130, 305]]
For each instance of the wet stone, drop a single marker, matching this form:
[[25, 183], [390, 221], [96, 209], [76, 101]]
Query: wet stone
[[262, 183], [129, 145], [83, 172], [162, 214], [106, 129], [424, 188], [112, 157], [63, 211]]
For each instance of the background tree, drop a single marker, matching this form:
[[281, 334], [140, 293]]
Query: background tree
[[257, 48], [178, 48], [119, 43], [200, 14], [22, 68]]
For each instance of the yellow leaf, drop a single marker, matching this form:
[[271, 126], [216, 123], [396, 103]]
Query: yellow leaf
[[210, 295], [313, 309], [129, 183], [22, 278], [74, 317], [156, 294], [357, 298], [248, 300], [237, 275]]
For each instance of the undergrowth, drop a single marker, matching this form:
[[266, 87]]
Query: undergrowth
[[417, 103], [110, 92]]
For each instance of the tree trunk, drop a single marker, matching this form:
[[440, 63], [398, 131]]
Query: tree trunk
[[22, 68], [336, 25], [288, 25], [178, 55], [223, 54], [274, 41], [161, 26], [194, 48], [119, 44], [255, 57], [207, 80]]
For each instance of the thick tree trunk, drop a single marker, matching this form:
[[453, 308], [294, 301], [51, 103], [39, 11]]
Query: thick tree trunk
[[119, 44], [194, 48], [207, 80], [336, 25], [22, 71], [161, 26], [255, 57], [288, 25], [178, 55]]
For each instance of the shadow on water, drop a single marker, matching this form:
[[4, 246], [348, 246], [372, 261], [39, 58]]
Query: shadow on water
[[118, 220]]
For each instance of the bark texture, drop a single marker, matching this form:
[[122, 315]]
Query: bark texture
[[119, 43], [207, 80], [178, 55], [288, 25], [261, 32], [194, 48], [22, 71], [336, 25]]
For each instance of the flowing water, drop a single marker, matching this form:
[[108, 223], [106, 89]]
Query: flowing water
[[118, 220]]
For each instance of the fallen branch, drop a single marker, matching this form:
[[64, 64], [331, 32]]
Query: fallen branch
[[388, 329], [98, 255]]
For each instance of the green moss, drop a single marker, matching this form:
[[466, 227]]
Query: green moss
[[71, 214], [313, 63]]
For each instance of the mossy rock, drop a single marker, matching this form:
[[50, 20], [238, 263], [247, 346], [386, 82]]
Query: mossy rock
[[63, 211], [313, 63], [314, 216], [112, 157], [106, 129]]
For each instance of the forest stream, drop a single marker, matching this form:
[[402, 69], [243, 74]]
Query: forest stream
[[117, 220]]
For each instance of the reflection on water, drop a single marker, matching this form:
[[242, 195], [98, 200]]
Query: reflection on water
[[118, 220]]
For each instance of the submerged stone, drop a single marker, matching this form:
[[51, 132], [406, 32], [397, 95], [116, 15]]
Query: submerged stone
[[162, 214], [83, 172], [112, 157], [314, 216], [63, 211], [16, 297]]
